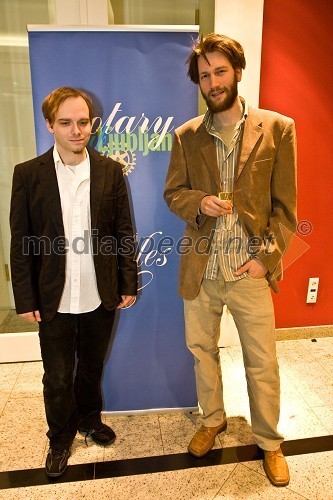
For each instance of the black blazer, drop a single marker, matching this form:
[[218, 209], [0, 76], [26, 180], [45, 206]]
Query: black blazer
[[37, 246]]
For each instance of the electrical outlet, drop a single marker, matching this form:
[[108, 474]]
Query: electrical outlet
[[311, 297]]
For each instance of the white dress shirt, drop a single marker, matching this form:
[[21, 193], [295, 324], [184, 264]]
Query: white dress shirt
[[80, 292]]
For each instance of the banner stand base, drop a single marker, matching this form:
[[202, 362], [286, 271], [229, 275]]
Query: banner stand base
[[191, 409]]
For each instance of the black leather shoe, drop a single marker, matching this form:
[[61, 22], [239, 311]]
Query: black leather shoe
[[103, 434], [56, 461]]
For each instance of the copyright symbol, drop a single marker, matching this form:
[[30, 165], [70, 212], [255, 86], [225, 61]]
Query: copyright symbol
[[304, 227]]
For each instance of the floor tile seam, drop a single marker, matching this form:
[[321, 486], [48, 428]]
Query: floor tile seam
[[45, 451], [232, 473], [315, 399], [161, 434], [300, 385], [323, 356], [262, 474], [295, 388], [298, 368], [298, 344], [11, 391], [4, 406], [321, 421], [319, 368], [227, 351], [16, 379], [311, 406], [39, 396], [323, 341], [326, 370], [310, 351]]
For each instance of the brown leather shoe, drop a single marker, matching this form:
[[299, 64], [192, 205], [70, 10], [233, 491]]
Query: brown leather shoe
[[204, 439], [276, 468]]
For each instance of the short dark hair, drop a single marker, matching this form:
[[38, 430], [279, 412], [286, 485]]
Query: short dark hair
[[53, 101], [230, 48]]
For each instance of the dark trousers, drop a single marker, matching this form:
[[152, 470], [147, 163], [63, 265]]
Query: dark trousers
[[73, 348]]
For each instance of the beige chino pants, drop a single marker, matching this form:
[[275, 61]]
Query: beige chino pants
[[250, 302]]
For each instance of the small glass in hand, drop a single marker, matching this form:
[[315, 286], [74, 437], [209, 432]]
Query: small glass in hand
[[226, 194]]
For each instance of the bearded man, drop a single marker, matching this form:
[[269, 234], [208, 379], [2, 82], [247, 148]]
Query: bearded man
[[232, 179]]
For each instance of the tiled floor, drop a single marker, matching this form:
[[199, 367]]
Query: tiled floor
[[307, 412]]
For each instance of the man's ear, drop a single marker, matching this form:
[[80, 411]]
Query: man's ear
[[239, 73], [49, 126]]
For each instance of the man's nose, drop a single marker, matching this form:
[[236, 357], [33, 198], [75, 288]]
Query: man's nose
[[76, 130], [214, 81]]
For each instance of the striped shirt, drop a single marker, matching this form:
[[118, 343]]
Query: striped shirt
[[228, 251]]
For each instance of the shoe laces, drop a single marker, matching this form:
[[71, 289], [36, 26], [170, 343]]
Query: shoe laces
[[88, 434], [91, 431], [57, 452]]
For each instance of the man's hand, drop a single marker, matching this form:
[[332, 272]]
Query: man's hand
[[126, 301], [32, 316], [214, 207], [254, 268]]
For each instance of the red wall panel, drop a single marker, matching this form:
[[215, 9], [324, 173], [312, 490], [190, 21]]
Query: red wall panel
[[297, 80]]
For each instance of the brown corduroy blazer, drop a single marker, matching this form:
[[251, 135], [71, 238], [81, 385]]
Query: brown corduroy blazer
[[264, 191]]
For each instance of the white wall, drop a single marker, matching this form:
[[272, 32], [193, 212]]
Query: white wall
[[242, 20]]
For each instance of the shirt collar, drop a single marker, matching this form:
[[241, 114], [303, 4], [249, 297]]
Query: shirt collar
[[85, 170]]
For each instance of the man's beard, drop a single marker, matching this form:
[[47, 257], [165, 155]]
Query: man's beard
[[230, 95]]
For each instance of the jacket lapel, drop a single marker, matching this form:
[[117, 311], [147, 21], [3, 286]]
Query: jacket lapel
[[208, 153], [49, 185], [252, 133], [97, 181]]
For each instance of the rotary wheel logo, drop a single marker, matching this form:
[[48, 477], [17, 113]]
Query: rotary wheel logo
[[127, 159]]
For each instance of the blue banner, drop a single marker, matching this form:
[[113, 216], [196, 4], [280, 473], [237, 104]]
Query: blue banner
[[141, 94]]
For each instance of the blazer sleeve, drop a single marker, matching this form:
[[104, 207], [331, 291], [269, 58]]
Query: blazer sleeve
[[127, 266], [178, 193], [282, 222], [24, 274]]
